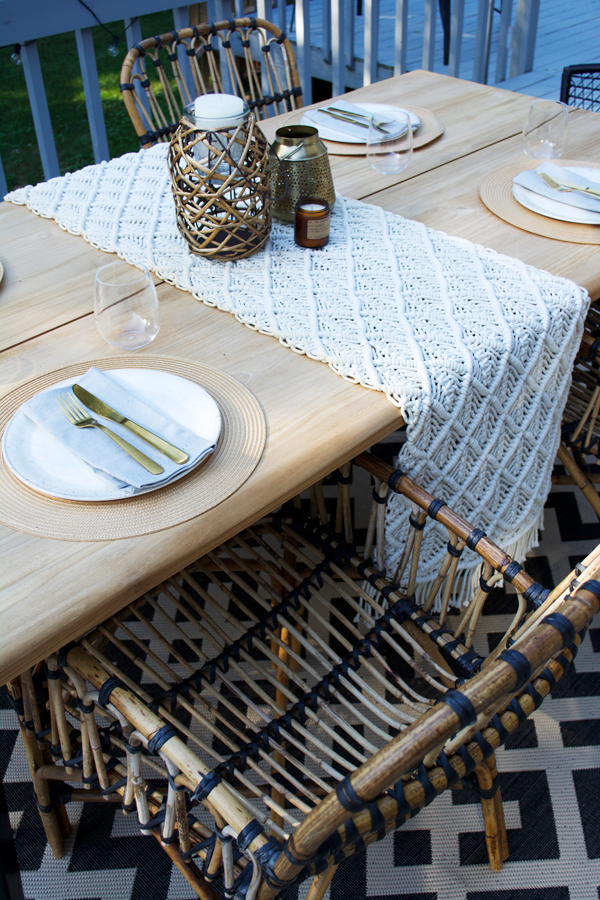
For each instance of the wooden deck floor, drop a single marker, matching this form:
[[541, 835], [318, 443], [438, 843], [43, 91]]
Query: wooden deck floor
[[568, 33]]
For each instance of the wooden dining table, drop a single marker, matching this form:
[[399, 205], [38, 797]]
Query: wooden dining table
[[52, 591]]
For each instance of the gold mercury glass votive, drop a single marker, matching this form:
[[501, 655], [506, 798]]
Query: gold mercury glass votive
[[299, 168]]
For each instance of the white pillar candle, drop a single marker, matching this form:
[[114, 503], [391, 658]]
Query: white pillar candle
[[218, 106]]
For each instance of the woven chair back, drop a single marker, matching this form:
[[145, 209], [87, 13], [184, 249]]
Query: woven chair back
[[580, 86], [248, 57]]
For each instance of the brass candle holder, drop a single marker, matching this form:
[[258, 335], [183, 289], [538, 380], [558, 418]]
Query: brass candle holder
[[220, 177]]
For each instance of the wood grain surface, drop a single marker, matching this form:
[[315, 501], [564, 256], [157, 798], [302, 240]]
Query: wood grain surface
[[52, 591]]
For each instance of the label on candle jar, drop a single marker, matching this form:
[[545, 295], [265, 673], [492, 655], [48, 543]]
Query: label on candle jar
[[317, 228]]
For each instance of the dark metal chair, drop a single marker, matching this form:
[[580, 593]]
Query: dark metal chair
[[580, 86]]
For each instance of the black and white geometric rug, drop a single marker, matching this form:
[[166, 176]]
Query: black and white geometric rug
[[550, 781]]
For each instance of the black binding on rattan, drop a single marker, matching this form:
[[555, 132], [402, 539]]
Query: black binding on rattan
[[161, 737], [592, 586], [460, 705], [206, 784], [248, 833], [348, 797], [430, 791], [377, 498], [512, 570], [290, 856], [519, 664], [484, 585], [563, 625], [536, 594], [394, 478], [63, 653], [453, 551], [434, 507], [59, 799], [107, 688], [471, 783], [449, 770], [474, 538], [418, 526]]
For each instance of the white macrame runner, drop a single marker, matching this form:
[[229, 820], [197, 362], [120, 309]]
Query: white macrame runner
[[474, 348]]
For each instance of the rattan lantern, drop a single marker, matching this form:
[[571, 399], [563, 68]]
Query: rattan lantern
[[220, 176]]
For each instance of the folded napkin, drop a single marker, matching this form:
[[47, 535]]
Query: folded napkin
[[347, 129], [532, 182], [101, 454]]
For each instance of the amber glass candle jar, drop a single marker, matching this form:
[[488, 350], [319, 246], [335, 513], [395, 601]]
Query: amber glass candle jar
[[311, 222]]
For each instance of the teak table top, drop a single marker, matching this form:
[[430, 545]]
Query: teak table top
[[53, 591]]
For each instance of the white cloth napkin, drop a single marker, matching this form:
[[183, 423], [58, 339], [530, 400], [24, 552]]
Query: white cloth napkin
[[532, 182], [347, 129], [97, 450]]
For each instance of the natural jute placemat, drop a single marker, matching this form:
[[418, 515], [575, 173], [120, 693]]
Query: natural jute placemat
[[240, 447], [496, 193], [431, 128]]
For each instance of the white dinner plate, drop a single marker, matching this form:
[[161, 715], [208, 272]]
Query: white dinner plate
[[554, 209], [47, 466], [332, 134]]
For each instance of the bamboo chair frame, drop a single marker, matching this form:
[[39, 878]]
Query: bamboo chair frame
[[279, 713], [580, 441], [269, 86]]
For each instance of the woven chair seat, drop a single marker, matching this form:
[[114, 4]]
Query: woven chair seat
[[248, 57], [279, 704]]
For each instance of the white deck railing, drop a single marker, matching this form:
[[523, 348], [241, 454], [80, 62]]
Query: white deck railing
[[327, 36]]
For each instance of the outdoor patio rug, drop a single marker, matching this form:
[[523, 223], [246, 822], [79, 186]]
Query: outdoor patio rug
[[550, 779]]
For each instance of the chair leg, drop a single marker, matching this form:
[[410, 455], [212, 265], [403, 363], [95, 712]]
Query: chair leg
[[320, 884], [493, 814], [33, 752]]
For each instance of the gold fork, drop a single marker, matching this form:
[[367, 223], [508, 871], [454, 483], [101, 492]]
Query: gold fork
[[555, 185], [77, 416]]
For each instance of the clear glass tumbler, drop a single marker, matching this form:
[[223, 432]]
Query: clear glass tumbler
[[126, 307], [546, 130], [389, 142]]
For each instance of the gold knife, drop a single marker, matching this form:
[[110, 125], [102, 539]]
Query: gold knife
[[344, 118], [107, 412]]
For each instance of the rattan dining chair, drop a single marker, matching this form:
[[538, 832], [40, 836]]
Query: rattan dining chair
[[280, 703], [579, 451], [248, 57]]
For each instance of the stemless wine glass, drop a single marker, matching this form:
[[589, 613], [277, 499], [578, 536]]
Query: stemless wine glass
[[126, 306], [389, 142], [546, 130]]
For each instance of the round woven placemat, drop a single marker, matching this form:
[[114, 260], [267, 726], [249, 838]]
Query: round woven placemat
[[496, 193], [240, 446], [431, 128]]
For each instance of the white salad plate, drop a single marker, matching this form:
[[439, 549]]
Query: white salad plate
[[332, 134], [555, 209], [47, 466]]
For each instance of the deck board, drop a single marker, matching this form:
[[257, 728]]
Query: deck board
[[561, 41]]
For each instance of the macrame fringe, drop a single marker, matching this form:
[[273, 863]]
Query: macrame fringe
[[467, 579], [466, 582]]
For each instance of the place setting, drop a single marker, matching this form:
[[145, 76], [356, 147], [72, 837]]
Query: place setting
[[547, 195], [118, 447], [344, 127]]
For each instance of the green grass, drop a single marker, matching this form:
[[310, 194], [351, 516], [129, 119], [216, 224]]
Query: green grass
[[66, 101]]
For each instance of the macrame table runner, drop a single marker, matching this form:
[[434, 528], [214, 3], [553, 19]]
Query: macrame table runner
[[474, 348]]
